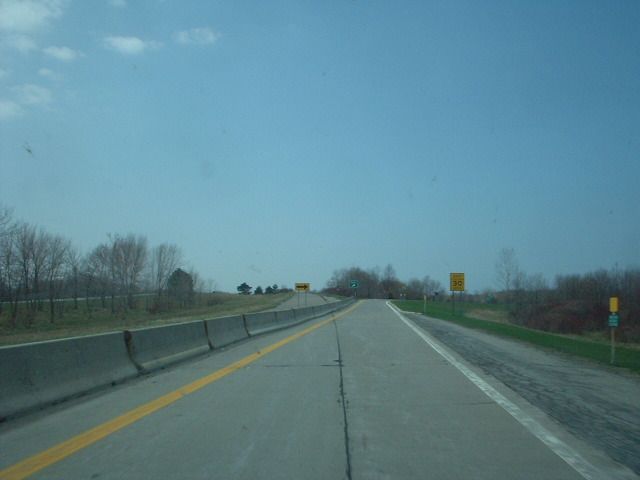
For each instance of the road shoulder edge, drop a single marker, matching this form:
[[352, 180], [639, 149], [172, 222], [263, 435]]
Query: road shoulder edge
[[589, 462]]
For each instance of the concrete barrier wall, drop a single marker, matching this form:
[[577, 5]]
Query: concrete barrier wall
[[260, 322], [327, 308], [321, 309], [263, 322], [39, 374], [286, 318], [226, 330], [330, 307], [345, 303], [35, 375], [305, 313], [156, 347]]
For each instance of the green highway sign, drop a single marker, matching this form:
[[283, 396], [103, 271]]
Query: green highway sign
[[354, 284], [614, 320]]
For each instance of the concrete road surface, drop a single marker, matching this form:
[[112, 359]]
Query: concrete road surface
[[301, 299], [367, 396]]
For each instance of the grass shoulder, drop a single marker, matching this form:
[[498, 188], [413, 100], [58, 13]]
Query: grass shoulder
[[595, 350], [92, 317]]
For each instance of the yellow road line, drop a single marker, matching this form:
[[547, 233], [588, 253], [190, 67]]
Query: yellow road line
[[41, 460]]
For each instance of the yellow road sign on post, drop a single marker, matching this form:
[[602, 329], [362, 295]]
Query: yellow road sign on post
[[303, 287], [614, 321], [456, 282], [613, 304]]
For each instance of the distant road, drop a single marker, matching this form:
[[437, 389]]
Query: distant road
[[367, 395], [304, 300]]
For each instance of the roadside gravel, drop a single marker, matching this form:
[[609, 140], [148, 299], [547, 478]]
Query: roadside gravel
[[598, 404]]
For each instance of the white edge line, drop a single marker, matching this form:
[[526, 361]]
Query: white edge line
[[570, 456]]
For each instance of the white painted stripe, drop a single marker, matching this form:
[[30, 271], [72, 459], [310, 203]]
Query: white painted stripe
[[574, 459]]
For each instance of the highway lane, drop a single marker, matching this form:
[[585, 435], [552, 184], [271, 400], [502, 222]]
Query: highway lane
[[302, 299], [361, 397]]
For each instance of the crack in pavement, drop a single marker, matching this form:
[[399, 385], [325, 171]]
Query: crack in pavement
[[344, 406]]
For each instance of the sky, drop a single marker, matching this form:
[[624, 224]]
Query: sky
[[276, 142]]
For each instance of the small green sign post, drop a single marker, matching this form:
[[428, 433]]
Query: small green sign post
[[614, 321], [354, 284]]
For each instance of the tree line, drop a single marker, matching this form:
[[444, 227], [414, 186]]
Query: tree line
[[245, 289], [575, 303], [38, 268], [381, 283]]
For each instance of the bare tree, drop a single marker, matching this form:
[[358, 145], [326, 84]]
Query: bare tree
[[6, 229], [128, 258], [39, 260], [97, 272], [365, 284], [10, 273], [74, 262], [431, 287], [56, 257], [536, 284], [374, 288], [32, 253], [507, 269], [165, 259], [6, 221], [30, 247], [390, 283], [25, 238], [415, 289], [368, 282], [198, 282], [210, 285]]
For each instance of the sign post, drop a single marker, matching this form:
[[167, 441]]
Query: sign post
[[303, 287], [354, 284], [456, 284], [425, 304], [614, 321]]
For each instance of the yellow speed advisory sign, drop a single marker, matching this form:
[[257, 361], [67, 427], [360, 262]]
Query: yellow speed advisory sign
[[456, 282]]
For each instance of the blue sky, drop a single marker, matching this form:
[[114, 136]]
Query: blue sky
[[277, 141]]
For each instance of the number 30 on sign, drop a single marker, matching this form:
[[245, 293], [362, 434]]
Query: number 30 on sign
[[456, 282]]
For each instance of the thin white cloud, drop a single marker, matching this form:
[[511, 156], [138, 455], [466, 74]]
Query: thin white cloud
[[50, 74], [21, 43], [196, 36], [3, 73], [118, 3], [64, 54], [27, 16], [30, 94], [9, 109], [130, 45]]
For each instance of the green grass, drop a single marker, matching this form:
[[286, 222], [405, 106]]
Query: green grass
[[626, 357], [93, 318]]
